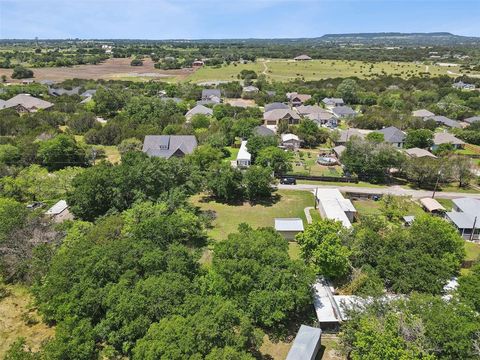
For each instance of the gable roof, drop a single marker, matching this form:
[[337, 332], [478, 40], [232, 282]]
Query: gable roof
[[472, 119], [446, 138], [263, 131], [302, 57], [289, 224], [275, 106], [338, 150], [422, 113], [243, 153], [306, 343], [198, 109], [321, 116], [166, 146], [301, 97], [393, 135], [62, 91], [206, 93], [309, 109], [250, 88], [28, 102], [288, 137], [431, 204], [89, 92], [279, 114], [345, 135], [417, 152], [333, 101], [445, 121], [343, 111]]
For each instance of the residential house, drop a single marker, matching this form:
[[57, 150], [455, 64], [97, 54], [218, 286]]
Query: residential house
[[306, 344], [393, 136], [465, 216], [472, 119], [343, 112], [332, 205], [244, 158], [59, 212], [27, 103], [62, 91], [273, 117], [422, 113], [198, 109], [324, 118], [446, 138], [289, 227], [211, 95], [198, 63], [167, 146], [333, 102], [304, 110], [263, 131], [302, 58], [418, 153], [443, 120], [250, 90], [297, 99], [276, 106], [88, 93], [346, 135], [291, 141], [463, 86], [432, 205]]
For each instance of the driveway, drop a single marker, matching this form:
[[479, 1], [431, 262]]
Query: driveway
[[392, 190]]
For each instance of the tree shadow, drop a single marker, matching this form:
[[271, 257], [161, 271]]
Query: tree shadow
[[267, 201]]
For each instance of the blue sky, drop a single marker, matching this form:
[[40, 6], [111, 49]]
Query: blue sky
[[200, 19]]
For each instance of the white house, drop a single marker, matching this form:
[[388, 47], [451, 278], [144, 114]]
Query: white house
[[244, 158], [334, 206], [291, 141]]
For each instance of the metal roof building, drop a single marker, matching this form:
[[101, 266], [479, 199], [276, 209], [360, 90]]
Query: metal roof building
[[334, 206], [306, 344]]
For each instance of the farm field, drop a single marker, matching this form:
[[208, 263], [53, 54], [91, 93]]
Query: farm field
[[290, 203], [112, 69]]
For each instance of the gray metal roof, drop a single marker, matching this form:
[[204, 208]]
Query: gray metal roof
[[306, 343], [472, 119], [333, 101], [263, 131], [275, 106], [166, 146], [62, 91], [468, 205], [289, 224], [199, 109], [445, 121], [57, 208], [462, 220], [393, 135], [88, 93], [206, 93]]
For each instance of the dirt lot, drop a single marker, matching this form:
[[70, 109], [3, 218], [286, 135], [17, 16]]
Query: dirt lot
[[111, 69]]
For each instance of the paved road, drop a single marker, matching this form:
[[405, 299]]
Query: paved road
[[393, 190]]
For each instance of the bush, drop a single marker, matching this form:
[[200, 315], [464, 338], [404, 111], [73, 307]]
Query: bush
[[21, 72]]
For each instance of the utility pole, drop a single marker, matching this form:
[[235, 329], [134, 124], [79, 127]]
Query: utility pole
[[473, 230], [316, 198], [436, 183]]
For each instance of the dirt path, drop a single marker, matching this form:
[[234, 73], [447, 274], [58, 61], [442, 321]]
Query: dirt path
[[265, 67]]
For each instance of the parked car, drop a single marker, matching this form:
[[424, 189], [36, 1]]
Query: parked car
[[288, 181], [35, 205]]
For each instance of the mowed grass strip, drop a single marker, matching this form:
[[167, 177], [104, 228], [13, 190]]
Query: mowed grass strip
[[290, 203]]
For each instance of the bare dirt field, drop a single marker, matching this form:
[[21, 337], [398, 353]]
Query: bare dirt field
[[112, 69]]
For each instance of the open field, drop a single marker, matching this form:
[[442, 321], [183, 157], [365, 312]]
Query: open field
[[285, 70], [15, 311], [112, 69], [274, 69], [290, 203]]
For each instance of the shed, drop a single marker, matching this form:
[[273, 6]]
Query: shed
[[59, 212], [289, 227], [306, 344], [408, 220], [431, 205]]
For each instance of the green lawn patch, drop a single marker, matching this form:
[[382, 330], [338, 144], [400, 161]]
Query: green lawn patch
[[290, 203], [472, 250]]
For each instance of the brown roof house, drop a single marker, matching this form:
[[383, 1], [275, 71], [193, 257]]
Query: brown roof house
[[167, 146], [27, 103], [297, 99], [273, 117], [446, 138]]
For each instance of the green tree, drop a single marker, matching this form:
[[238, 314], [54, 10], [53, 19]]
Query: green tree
[[12, 216], [348, 90], [258, 183], [9, 154], [311, 134], [277, 159], [21, 72], [468, 287], [256, 143], [205, 156], [225, 182], [421, 138], [60, 152], [375, 137], [321, 248], [131, 144]]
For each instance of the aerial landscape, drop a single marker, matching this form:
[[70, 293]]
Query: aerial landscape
[[260, 180]]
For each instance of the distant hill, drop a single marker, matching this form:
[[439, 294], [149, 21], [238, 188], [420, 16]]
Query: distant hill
[[396, 38]]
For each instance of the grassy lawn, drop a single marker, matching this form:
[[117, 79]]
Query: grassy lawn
[[469, 149], [294, 250], [18, 319], [446, 203], [315, 215], [111, 152], [473, 251], [305, 163], [233, 153], [286, 70], [290, 204], [370, 207]]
